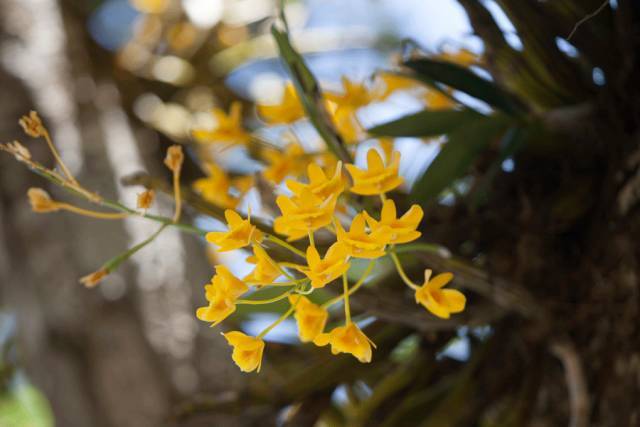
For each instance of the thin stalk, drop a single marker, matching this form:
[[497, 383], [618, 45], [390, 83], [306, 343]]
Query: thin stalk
[[280, 320], [355, 287], [347, 308], [401, 272], [89, 213], [56, 155], [284, 244], [266, 301]]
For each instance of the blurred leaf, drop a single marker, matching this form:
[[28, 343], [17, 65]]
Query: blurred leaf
[[25, 406], [512, 141], [426, 123], [310, 95], [457, 155], [433, 71]]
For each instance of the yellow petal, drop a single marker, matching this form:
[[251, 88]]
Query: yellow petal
[[455, 300]]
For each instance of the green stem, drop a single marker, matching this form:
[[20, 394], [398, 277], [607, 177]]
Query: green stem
[[355, 287], [347, 308], [284, 244], [115, 262], [280, 320], [266, 301], [401, 272], [56, 179]]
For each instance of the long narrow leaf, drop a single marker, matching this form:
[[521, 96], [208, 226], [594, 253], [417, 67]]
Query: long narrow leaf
[[457, 155], [426, 123], [310, 95], [433, 71]]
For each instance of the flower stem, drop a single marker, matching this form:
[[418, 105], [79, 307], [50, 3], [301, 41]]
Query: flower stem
[[355, 287], [284, 244], [401, 272], [266, 301], [90, 213], [115, 262], [177, 196], [56, 155], [280, 320], [347, 308], [311, 241]]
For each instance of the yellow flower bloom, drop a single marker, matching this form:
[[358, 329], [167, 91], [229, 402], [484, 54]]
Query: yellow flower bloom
[[347, 124], [361, 244], [215, 188], [354, 96], [221, 305], [311, 318], [323, 271], [302, 214], [462, 57], [241, 233], [228, 127], [319, 184], [388, 83], [399, 230], [283, 164], [226, 282], [440, 302], [376, 179], [221, 294], [265, 271], [247, 351], [347, 339], [287, 111], [436, 100]]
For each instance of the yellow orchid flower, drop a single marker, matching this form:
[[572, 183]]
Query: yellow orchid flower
[[247, 350], [303, 214], [228, 127], [347, 124], [323, 271], [388, 83], [241, 233], [436, 100], [400, 230], [359, 243], [221, 294], [354, 96], [215, 188], [287, 111], [221, 305], [440, 302], [265, 271], [311, 318], [347, 339], [283, 164], [462, 57], [226, 282], [376, 179], [319, 184]]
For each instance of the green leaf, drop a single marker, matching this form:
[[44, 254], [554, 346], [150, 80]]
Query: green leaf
[[426, 123], [310, 95], [432, 71], [512, 141], [457, 155]]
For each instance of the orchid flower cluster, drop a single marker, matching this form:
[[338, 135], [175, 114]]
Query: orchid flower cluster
[[320, 200]]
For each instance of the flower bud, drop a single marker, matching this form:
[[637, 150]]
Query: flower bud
[[41, 201], [32, 125]]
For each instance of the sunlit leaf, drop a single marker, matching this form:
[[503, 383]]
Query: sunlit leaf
[[432, 71], [426, 123]]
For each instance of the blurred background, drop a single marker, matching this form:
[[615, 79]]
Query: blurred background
[[117, 82]]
